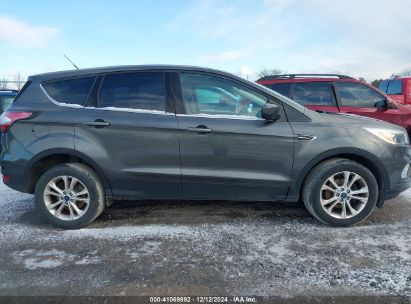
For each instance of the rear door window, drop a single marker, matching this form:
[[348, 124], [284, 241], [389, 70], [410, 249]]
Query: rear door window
[[358, 95], [70, 91], [314, 93], [140, 90], [394, 87], [282, 88]]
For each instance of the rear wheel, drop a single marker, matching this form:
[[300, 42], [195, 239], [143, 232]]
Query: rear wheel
[[70, 195], [340, 192]]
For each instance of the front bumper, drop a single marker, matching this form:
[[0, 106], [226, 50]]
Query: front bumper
[[397, 189], [399, 172]]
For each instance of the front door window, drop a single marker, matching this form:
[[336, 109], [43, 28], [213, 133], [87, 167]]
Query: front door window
[[209, 95]]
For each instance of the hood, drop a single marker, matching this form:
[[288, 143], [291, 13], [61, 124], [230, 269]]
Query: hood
[[349, 120]]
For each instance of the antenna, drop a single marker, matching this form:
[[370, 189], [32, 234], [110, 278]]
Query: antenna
[[71, 62]]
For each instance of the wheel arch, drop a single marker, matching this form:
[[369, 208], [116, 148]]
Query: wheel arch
[[49, 158], [363, 157]]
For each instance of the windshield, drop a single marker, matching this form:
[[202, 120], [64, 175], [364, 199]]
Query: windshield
[[6, 101]]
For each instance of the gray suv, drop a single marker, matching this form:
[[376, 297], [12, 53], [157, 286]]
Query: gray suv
[[80, 139]]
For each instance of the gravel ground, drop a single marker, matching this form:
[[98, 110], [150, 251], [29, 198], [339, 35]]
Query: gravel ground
[[204, 248]]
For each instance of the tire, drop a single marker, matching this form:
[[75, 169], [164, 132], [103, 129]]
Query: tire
[[361, 203], [87, 195]]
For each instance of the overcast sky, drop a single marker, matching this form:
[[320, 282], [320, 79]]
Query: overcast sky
[[362, 38]]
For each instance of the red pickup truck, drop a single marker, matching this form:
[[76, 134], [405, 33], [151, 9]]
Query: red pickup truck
[[398, 88]]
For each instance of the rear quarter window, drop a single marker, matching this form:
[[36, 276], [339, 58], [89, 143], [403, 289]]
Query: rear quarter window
[[70, 91], [282, 88]]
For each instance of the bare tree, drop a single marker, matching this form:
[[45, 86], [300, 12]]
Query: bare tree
[[406, 72], [269, 72], [18, 80], [3, 83]]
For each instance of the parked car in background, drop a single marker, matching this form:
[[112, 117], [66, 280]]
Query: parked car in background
[[79, 139], [340, 94], [6, 98], [398, 88]]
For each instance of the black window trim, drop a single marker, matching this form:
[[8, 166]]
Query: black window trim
[[270, 99]]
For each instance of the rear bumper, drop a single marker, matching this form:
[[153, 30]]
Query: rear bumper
[[13, 161], [16, 178]]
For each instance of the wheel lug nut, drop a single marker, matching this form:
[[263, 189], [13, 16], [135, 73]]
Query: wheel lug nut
[[338, 194]]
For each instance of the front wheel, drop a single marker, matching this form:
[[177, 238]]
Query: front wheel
[[70, 195], [340, 192]]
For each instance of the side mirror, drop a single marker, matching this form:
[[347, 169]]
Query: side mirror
[[382, 104], [270, 112]]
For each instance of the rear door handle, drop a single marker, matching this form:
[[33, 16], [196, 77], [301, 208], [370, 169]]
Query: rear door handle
[[98, 123], [200, 129]]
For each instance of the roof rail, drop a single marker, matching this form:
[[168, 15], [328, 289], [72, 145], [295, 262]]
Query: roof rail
[[293, 76]]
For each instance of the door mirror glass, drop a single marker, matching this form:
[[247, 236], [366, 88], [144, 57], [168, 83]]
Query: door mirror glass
[[382, 104], [270, 112]]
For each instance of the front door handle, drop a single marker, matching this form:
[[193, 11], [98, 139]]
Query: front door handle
[[98, 123], [200, 129]]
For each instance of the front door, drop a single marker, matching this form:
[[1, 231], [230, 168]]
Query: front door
[[359, 99], [227, 150]]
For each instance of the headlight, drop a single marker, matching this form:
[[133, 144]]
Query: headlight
[[395, 137]]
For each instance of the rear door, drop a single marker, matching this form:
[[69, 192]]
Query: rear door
[[130, 130], [227, 150], [317, 96], [360, 99]]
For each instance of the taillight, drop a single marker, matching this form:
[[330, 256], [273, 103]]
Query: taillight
[[9, 118]]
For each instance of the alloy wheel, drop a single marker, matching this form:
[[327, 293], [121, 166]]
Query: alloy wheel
[[67, 198], [344, 195]]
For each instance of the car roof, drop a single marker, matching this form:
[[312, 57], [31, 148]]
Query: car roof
[[124, 68], [397, 78], [131, 68]]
